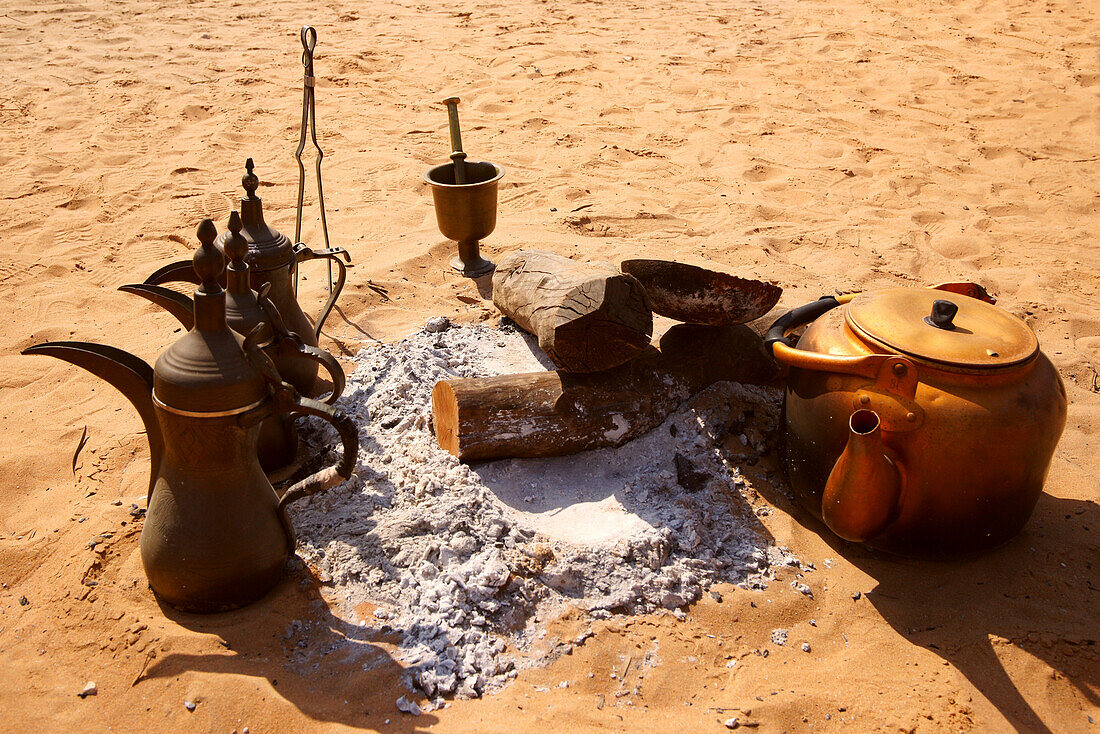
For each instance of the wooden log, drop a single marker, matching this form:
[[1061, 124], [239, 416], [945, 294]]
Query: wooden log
[[588, 317], [557, 413]]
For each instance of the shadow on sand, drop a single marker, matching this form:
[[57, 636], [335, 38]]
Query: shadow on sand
[[1038, 592], [314, 660]]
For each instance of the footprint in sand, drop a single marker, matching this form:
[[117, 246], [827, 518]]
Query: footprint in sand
[[829, 150], [196, 112], [1090, 345], [759, 173], [1085, 333], [994, 152], [927, 218], [956, 246]]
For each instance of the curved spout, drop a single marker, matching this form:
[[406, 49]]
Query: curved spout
[[131, 376], [862, 495], [182, 271], [177, 304]]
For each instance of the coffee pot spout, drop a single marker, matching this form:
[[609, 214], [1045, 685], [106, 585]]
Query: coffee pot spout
[[130, 375], [862, 495]]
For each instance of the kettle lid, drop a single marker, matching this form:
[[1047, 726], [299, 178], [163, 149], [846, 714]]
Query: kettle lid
[[943, 328], [267, 247], [207, 370]]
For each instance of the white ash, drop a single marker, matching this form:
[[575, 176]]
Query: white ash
[[467, 563]]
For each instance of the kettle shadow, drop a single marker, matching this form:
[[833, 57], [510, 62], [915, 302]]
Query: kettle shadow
[[1033, 593]]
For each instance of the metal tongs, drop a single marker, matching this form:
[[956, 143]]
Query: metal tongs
[[309, 122]]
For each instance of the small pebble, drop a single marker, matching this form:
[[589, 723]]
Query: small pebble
[[23, 601], [189, 705], [716, 596], [409, 707], [802, 588], [805, 647], [438, 324], [732, 723], [856, 596], [89, 689]]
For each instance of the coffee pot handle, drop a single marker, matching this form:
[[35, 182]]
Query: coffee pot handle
[[335, 371], [289, 342], [287, 400], [302, 253], [332, 475]]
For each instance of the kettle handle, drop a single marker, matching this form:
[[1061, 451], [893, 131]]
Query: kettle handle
[[302, 253], [798, 317], [803, 315], [895, 374]]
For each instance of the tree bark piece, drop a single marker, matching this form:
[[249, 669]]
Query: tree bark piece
[[557, 413], [588, 317], [698, 295]]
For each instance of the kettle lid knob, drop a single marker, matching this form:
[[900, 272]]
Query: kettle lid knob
[[943, 314]]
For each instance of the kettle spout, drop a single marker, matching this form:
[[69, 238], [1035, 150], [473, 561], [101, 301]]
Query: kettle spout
[[863, 493], [131, 376]]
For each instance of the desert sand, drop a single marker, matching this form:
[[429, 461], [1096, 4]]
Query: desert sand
[[828, 146]]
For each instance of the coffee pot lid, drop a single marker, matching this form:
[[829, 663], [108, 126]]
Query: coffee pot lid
[[207, 372], [943, 328], [267, 247]]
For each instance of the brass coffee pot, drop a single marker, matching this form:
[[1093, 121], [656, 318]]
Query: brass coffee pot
[[244, 311], [272, 258], [920, 421], [216, 535]]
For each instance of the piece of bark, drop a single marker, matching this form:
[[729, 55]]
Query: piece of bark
[[557, 413], [588, 317], [699, 295]]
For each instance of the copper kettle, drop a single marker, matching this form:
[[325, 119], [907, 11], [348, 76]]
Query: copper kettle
[[216, 535], [245, 309], [272, 259], [919, 421]]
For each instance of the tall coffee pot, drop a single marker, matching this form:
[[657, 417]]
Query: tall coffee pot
[[244, 311], [272, 259], [216, 535]]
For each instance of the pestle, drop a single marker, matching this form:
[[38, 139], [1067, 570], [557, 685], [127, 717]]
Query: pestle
[[457, 155]]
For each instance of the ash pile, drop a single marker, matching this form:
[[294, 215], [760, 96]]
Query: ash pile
[[467, 562]]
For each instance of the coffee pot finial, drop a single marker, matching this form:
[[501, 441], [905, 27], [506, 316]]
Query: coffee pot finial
[[235, 245], [250, 181], [208, 261]]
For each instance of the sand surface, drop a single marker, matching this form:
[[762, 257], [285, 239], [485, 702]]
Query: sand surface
[[824, 145]]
